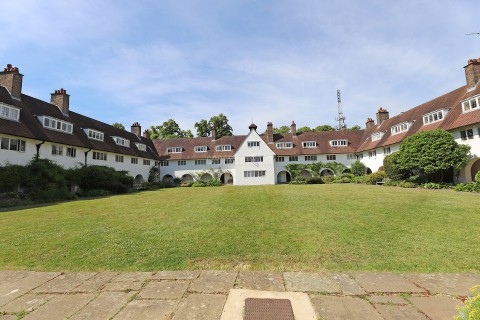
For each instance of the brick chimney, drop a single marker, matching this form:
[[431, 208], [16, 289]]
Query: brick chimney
[[11, 78], [382, 115], [61, 99], [136, 129], [213, 132], [293, 129], [269, 132], [472, 72], [146, 134], [370, 123]]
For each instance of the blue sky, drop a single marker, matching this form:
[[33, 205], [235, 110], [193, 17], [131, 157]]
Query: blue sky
[[148, 61]]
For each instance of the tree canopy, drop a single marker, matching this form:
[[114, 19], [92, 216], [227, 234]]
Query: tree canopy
[[281, 130], [118, 125], [220, 122], [324, 127], [168, 130]]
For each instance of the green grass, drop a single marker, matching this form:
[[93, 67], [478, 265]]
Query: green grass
[[311, 227]]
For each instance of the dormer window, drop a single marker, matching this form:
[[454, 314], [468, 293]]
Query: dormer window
[[9, 112], [55, 124], [339, 143], [251, 144], [200, 149], [224, 147], [471, 104], [284, 145], [377, 135], [434, 116], [141, 146], [94, 134], [309, 144], [174, 150], [121, 141], [401, 127]]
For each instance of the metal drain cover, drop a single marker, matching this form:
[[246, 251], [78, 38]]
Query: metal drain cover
[[268, 309]]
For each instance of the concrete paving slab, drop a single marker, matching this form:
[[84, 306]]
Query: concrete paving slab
[[94, 283], [12, 290], [147, 310], [176, 275], [166, 289], [344, 308], [257, 280], [213, 281], [103, 307], [122, 286], [133, 276], [64, 283], [438, 307], [400, 312], [234, 307], [387, 300], [447, 283], [61, 306], [12, 275], [311, 282], [8, 317], [201, 307], [348, 285], [26, 302], [385, 282]]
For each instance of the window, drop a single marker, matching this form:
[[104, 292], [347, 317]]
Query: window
[[134, 161], [162, 163], [309, 144], [224, 147], [57, 150], [146, 162], [254, 159], [331, 157], [8, 112], [351, 156], [470, 105], [141, 146], [253, 144], [284, 145], [94, 134], [118, 158], [71, 152], [435, 116], [293, 158], [280, 159], [215, 161], [466, 134], [387, 150], [99, 156], [310, 158], [401, 127], [339, 143], [377, 135], [121, 141], [360, 156], [200, 162], [372, 153], [174, 150], [200, 148], [254, 173], [182, 162], [55, 124], [229, 160], [13, 144]]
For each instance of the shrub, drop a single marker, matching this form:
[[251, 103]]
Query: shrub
[[407, 184], [471, 309], [468, 187], [328, 179], [153, 185], [359, 179], [342, 180], [432, 185], [375, 177], [294, 182], [392, 183], [207, 183], [358, 169], [477, 177], [103, 178], [11, 177], [392, 168], [186, 183], [314, 180]]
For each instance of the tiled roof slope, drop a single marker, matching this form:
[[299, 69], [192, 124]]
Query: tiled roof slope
[[29, 127]]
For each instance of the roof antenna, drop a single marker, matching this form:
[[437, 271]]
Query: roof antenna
[[341, 117], [473, 34]]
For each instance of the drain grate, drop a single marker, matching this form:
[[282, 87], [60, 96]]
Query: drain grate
[[268, 309]]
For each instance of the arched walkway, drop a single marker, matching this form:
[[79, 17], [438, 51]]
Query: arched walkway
[[475, 169], [326, 172], [347, 170], [206, 177], [187, 177], [167, 178], [369, 171], [226, 178], [138, 179], [283, 177], [305, 174], [380, 169]]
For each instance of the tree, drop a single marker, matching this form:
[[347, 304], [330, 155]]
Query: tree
[[434, 154], [169, 130], [324, 127], [304, 129], [281, 130], [118, 125], [392, 168], [220, 123], [355, 127], [358, 168]]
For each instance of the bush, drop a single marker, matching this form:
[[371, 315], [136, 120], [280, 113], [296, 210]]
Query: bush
[[294, 182], [432, 185], [11, 177], [468, 187], [328, 179], [471, 309], [207, 183], [358, 169], [186, 183], [359, 179], [392, 168], [314, 180], [375, 177], [342, 180], [407, 184], [153, 185], [477, 177], [103, 178]]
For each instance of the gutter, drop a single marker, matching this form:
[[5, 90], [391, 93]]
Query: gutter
[[86, 154]]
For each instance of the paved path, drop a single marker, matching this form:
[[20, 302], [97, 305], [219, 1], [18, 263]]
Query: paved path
[[184, 295]]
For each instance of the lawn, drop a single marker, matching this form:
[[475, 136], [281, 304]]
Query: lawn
[[311, 227]]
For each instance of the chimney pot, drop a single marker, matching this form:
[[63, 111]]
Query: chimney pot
[[12, 79], [136, 129], [61, 99], [382, 115]]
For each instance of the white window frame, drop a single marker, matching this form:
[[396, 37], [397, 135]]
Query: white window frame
[[279, 159], [9, 112], [254, 159], [331, 157], [134, 160], [171, 150], [119, 158], [309, 144], [351, 156], [284, 145], [55, 124], [293, 158], [377, 135], [94, 134], [435, 116], [141, 146], [387, 150], [146, 162], [20, 145], [224, 147], [181, 163], [57, 150], [229, 160], [401, 127], [311, 158], [252, 144], [339, 143], [254, 173], [200, 149], [71, 152], [121, 141], [471, 104], [216, 161], [97, 155], [163, 163], [200, 162]]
